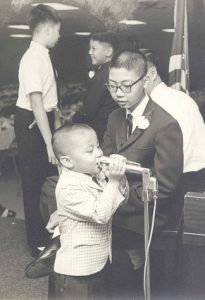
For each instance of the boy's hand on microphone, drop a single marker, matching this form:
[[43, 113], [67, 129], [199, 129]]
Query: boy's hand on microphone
[[116, 168]]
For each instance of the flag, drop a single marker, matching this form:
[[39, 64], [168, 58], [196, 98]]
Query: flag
[[179, 60]]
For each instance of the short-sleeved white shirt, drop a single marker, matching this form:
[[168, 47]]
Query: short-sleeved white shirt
[[183, 108], [36, 75]]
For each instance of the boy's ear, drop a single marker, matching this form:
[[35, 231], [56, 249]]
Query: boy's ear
[[45, 27], [152, 73], [48, 28], [66, 162], [109, 51]]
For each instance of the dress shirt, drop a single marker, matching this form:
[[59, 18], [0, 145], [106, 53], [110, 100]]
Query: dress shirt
[[85, 211], [36, 75], [137, 112], [184, 109]]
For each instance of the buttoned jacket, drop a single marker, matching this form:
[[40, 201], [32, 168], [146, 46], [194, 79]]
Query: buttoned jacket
[[158, 147], [85, 211]]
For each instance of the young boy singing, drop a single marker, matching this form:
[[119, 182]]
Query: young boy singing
[[86, 202]]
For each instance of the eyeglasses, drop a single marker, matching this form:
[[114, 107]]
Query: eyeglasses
[[125, 88]]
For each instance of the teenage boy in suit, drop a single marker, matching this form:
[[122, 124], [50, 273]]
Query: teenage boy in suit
[[152, 138], [155, 140]]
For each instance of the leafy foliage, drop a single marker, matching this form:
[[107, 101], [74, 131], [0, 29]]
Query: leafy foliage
[[109, 12], [18, 4]]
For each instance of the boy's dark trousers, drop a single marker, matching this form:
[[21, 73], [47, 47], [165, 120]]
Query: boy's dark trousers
[[92, 287], [34, 168]]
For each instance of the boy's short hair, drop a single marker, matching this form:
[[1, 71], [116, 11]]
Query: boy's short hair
[[152, 59], [61, 136], [130, 60], [42, 14], [106, 37]]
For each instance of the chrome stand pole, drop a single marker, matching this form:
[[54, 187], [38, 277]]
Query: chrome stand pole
[[149, 184]]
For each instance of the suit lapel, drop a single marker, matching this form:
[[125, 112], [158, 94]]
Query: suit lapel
[[121, 134], [121, 141]]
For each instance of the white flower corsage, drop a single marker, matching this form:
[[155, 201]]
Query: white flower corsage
[[142, 122], [91, 74]]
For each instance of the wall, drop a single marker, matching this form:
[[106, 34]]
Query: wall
[[71, 53]]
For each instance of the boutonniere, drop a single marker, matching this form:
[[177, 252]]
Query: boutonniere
[[91, 74], [143, 122]]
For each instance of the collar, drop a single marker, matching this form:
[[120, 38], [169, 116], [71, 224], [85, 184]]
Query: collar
[[38, 47], [100, 67], [77, 178], [139, 110], [76, 175], [157, 90]]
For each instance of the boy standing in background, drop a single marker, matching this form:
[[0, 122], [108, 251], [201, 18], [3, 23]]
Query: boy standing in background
[[98, 103], [36, 115]]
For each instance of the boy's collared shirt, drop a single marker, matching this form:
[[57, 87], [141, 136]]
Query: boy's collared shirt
[[85, 210], [183, 108], [36, 75], [138, 111]]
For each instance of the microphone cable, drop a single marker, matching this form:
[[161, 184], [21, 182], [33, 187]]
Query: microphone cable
[[149, 241]]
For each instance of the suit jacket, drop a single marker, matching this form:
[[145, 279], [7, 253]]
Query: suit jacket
[[98, 103], [85, 211], [159, 148]]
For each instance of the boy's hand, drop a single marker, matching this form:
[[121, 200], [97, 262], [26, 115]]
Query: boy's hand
[[51, 156], [53, 222], [117, 167]]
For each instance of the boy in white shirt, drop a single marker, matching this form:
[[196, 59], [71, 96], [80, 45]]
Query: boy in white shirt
[[36, 117], [86, 202]]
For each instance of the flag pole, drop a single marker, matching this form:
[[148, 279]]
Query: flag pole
[[179, 60]]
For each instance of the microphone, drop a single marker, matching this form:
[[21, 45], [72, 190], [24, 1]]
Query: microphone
[[149, 183], [131, 166]]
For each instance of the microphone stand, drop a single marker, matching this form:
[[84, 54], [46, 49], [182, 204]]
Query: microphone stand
[[149, 190]]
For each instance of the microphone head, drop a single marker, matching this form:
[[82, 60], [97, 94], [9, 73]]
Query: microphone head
[[131, 166], [107, 159], [104, 160]]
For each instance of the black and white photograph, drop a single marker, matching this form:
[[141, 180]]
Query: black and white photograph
[[102, 150]]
